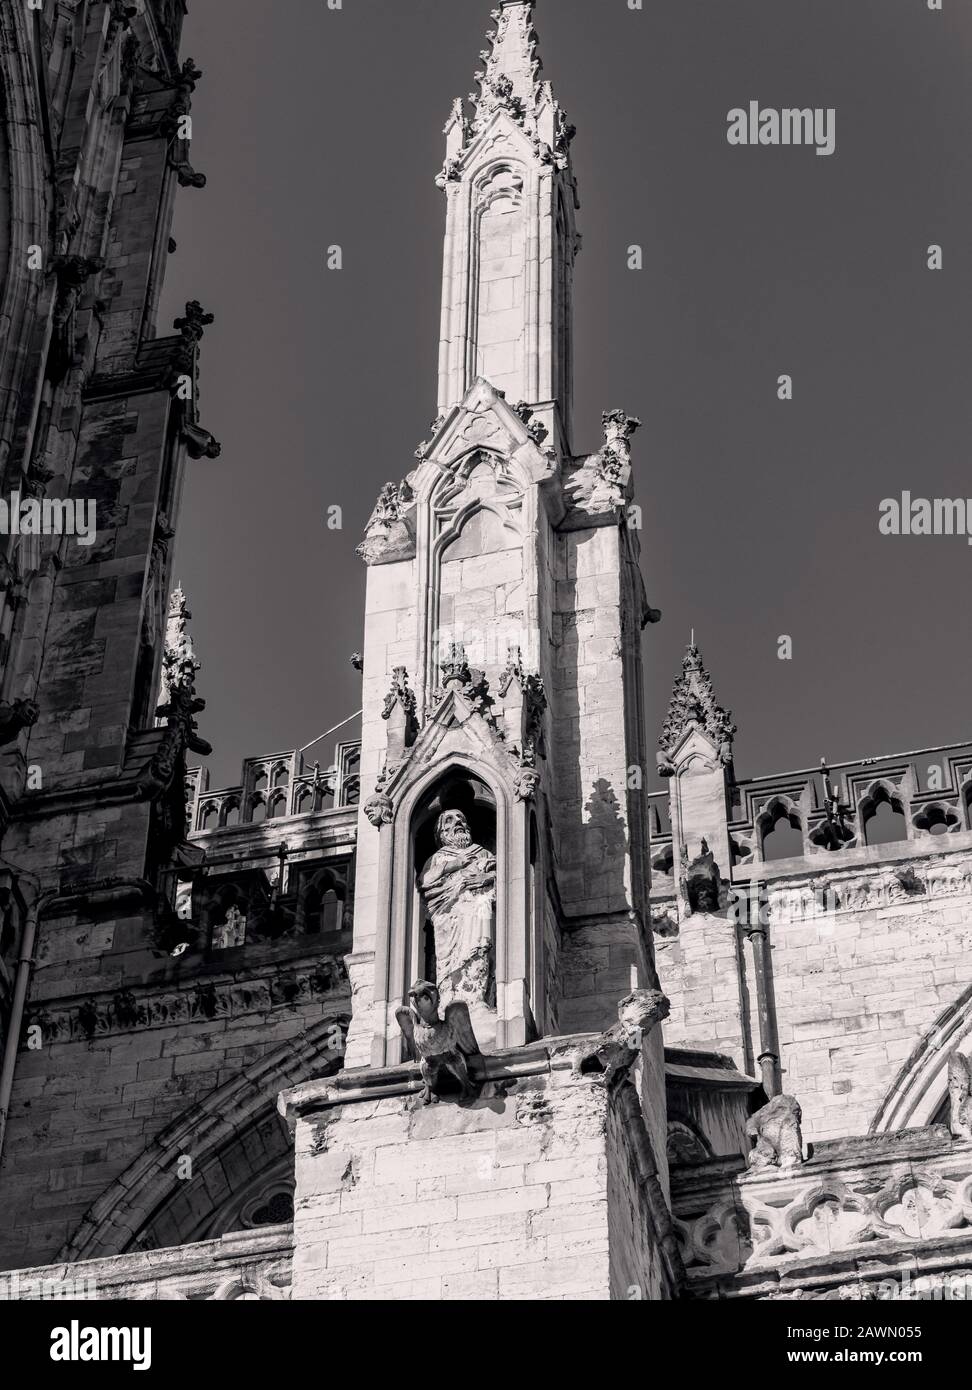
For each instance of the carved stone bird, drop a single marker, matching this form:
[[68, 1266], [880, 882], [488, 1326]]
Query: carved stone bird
[[438, 1044]]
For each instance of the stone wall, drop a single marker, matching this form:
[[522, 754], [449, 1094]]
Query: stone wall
[[101, 1125], [866, 964], [703, 970], [544, 1190]]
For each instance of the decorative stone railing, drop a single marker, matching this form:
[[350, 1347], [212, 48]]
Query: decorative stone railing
[[246, 1265], [930, 791], [858, 1212], [273, 787]]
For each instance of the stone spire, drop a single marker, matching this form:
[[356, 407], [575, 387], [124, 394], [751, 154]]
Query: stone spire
[[693, 702], [511, 238], [510, 80], [511, 75]]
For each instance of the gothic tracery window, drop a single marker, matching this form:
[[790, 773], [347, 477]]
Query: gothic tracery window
[[882, 818], [782, 833]]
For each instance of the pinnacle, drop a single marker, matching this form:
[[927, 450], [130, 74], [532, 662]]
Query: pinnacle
[[693, 701], [512, 58]]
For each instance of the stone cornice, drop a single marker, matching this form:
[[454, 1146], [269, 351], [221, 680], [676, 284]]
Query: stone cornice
[[196, 999], [256, 1261], [365, 1084]]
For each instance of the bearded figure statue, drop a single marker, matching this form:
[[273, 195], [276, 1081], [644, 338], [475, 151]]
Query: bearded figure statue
[[459, 886]]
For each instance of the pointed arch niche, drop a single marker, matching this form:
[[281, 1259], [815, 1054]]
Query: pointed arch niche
[[456, 791], [479, 787]]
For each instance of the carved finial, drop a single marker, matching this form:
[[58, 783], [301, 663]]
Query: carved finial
[[179, 664], [454, 666], [194, 322], [399, 694], [386, 535], [178, 702], [693, 701], [619, 426], [510, 81]]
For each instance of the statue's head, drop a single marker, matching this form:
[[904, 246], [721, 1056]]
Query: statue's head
[[452, 830], [424, 999]]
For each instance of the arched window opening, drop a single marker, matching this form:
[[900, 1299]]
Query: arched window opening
[[322, 909], [231, 813], [278, 807], [351, 772], [883, 819], [258, 810], [260, 780], [209, 818], [454, 848], [782, 834]]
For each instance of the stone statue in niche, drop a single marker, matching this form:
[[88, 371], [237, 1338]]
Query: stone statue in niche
[[459, 886], [230, 933]]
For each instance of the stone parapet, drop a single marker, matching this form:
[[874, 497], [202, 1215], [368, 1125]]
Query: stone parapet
[[247, 1265], [858, 1211]]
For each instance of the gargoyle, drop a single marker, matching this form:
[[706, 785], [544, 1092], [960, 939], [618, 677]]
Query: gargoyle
[[613, 1053], [959, 1097], [776, 1129], [20, 714], [439, 1045]]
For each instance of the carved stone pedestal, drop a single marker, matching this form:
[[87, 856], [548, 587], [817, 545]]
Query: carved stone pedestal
[[543, 1187]]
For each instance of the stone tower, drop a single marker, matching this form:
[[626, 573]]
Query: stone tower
[[99, 409], [504, 611]]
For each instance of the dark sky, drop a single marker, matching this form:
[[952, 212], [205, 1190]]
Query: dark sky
[[317, 127]]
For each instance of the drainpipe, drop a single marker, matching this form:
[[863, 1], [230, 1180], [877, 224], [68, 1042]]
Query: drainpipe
[[25, 965], [769, 1042]]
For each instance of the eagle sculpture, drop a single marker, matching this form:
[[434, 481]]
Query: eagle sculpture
[[438, 1044]]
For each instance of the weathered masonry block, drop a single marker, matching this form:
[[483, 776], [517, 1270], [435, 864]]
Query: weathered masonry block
[[543, 1188]]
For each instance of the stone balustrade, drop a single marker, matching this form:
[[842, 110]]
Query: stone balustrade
[[929, 795], [273, 787]]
